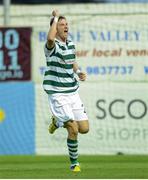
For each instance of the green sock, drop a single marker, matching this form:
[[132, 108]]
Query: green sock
[[73, 150]]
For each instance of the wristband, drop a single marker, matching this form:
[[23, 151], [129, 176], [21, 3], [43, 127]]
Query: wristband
[[78, 71], [56, 19]]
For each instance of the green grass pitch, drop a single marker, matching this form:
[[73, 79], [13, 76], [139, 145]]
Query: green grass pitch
[[57, 167]]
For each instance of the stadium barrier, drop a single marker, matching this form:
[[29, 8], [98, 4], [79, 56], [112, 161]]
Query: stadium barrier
[[114, 54]]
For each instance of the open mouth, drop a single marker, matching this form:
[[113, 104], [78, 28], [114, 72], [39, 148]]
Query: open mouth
[[66, 31]]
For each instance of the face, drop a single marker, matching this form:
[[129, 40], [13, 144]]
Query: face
[[62, 29]]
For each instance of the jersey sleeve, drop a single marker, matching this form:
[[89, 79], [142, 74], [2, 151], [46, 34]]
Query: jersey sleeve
[[49, 52]]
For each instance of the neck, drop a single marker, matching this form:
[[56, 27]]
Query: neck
[[61, 39]]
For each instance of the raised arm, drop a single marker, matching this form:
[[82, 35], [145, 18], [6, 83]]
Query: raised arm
[[53, 30]]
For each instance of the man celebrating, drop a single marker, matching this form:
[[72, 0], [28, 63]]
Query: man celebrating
[[62, 87]]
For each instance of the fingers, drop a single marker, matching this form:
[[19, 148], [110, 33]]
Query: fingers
[[82, 76], [55, 13]]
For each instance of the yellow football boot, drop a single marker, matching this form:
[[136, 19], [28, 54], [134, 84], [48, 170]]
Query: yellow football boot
[[75, 168], [52, 126]]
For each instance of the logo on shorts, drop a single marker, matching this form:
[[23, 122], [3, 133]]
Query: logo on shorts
[[84, 108]]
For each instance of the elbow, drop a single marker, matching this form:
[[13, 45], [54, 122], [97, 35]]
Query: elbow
[[50, 39], [50, 42]]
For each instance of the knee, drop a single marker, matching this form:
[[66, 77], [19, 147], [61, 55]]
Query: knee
[[72, 129], [84, 130], [73, 132]]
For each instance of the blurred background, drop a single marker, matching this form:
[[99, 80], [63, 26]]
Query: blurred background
[[111, 38]]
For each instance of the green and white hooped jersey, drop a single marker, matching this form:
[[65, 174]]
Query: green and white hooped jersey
[[59, 74]]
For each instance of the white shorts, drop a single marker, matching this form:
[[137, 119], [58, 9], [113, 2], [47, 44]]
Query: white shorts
[[67, 107]]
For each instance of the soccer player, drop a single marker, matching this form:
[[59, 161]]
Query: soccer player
[[62, 87]]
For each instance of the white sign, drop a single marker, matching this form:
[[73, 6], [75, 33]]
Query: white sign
[[107, 47], [117, 112]]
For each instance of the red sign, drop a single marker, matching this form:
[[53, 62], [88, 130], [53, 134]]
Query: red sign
[[15, 54]]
